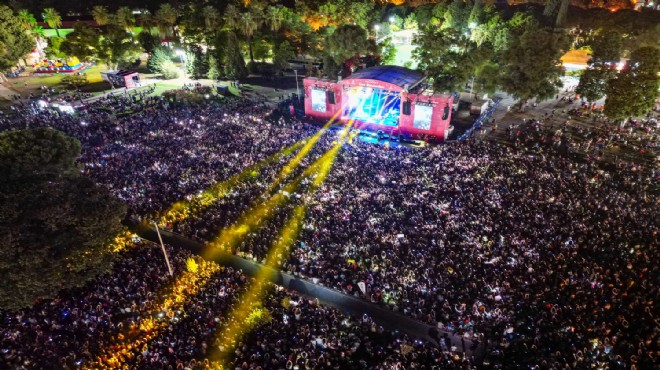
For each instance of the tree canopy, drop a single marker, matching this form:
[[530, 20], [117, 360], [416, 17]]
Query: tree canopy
[[56, 224], [633, 92], [15, 42]]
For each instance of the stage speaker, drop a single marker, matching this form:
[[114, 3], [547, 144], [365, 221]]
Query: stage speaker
[[331, 97], [406, 108], [445, 113]]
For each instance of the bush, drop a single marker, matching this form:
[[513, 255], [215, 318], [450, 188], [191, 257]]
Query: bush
[[169, 70], [158, 57]]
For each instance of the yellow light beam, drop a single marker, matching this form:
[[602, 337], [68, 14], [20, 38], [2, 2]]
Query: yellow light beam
[[278, 253], [295, 161], [257, 215], [184, 209], [128, 346], [235, 331]]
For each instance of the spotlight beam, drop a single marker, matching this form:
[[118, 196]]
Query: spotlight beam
[[186, 285], [278, 253], [257, 215]]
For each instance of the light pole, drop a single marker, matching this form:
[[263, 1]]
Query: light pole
[[167, 260], [297, 88]]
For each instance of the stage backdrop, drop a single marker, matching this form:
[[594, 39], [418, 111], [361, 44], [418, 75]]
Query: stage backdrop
[[385, 98]]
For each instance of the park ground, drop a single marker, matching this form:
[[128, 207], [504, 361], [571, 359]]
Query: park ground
[[272, 90]]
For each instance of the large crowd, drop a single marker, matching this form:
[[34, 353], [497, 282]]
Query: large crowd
[[549, 259]]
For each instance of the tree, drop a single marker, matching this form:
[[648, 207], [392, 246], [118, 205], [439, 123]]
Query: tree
[[53, 19], [635, 89], [149, 41], [275, 17], [165, 18], [330, 67], [283, 53], [125, 19], [169, 70], [607, 47], [56, 224], [387, 51], [232, 16], [410, 23], [211, 19], [15, 42], [101, 15], [248, 24], [197, 62], [594, 80], [346, 42], [234, 63], [158, 57], [117, 49], [396, 22], [83, 42], [54, 48], [531, 67], [27, 19]]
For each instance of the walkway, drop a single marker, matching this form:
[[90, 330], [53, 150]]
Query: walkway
[[357, 307]]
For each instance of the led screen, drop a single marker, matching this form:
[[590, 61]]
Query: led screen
[[423, 114], [371, 105], [318, 100]]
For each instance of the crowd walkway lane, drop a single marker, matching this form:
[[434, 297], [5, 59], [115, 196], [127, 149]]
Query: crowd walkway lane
[[357, 307]]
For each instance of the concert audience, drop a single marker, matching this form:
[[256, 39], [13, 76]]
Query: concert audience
[[549, 258]]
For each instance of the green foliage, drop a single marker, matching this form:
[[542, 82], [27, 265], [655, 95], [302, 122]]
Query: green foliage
[[410, 23], [346, 42], [83, 42], [339, 12], [531, 62], [198, 63], [387, 51], [169, 71], [396, 22], [234, 63], [54, 48], [38, 152], [53, 19], [158, 57], [593, 81], [148, 41], [214, 68], [56, 224], [424, 14], [101, 15], [607, 47], [283, 53], [75, 80], [635, 89], [116, 48], [330, 67], [261, 50], [15, 42]]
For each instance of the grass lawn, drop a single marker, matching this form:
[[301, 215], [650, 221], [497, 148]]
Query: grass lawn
[[32, 84]]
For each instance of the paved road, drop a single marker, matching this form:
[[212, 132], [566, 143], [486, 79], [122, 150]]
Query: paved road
[[390, 320]]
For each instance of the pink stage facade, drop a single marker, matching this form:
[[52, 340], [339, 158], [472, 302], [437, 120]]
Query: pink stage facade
[[385, 99]]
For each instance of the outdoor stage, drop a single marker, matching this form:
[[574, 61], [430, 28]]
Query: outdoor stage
[[388, 100]]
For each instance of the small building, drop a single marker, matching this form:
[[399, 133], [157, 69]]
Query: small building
[[121, 78]]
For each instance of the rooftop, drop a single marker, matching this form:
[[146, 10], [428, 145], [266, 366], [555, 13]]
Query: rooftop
[[399, 76]]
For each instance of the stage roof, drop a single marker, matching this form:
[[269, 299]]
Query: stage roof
[[391, 74]]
